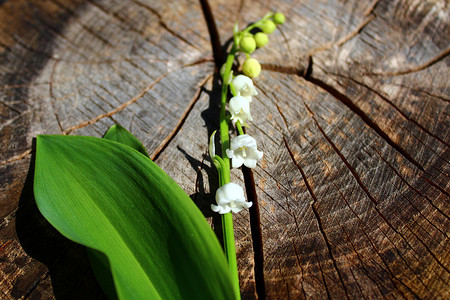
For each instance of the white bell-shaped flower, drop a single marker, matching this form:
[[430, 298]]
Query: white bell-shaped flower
[[243, 86], [243, 150], [230, 197], [239, 108]]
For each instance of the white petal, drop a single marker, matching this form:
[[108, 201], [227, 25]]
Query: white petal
[[236, 209], [225, 210], [215, 208], [235, 105], [229, 153], [237, 161], [243, 140], [241, 82], [250, 163], [230, 197]]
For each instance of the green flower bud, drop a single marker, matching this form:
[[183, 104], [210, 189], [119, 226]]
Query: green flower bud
[[251, 67], [268, 26], [261, 39], [278, 18], [248, 44]]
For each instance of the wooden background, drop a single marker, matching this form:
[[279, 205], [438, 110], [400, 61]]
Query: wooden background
[[352, 115]]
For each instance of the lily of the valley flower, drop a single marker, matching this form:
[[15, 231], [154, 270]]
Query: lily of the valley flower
[[239, 108], [230, 197], [243, 86], [243, 150]]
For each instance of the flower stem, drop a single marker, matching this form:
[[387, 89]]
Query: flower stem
[[227, 219], [230, 251], [239, 128]]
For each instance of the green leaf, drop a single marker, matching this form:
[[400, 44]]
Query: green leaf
[[119, 134], [109, 197]]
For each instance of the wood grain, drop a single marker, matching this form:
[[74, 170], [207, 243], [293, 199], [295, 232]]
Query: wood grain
[[352, 116]]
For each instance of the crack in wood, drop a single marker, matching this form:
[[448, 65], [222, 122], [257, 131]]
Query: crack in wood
[[131, 101], [387, 236], [10, 107], [341, 156], [213, 33], [52, 96], [367, 120], [418, 68], [166, 141], [439, 97], [283, 278], [371, 8], [414, 189], [378, 212], [160, 20], [16, 157], [385, 99], [317, 215], [130, 28], [430, 252], [300, 266], [117, 109], [363, 263], [361, 225], [370, 17], [256, 232], [323, 277]]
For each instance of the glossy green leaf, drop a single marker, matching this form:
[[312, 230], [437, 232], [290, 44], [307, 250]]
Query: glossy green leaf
[[119, 134], [99, 262], [109, 197]]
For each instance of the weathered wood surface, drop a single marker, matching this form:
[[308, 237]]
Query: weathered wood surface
[[352, 116]]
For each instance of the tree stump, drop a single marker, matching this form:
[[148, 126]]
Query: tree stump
[[352, 196]]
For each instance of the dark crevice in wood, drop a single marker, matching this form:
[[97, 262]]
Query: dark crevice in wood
[[398, 110], [317, 215], [52, 96], [414, 189], [213, 33], [329, 247], [323, 277], [117, 109], [408, 265], [369, 18], [361, 226], [363, 263], [369, 122], [378, 212], [371, 8], [430, 252], [11, 108], [157, 152], [282, 69], [418, 68], [280, 111], [301, 71], [255, 221], [297, 256], [34, 285], [309, 69], [436, 186], [161, 22], [283, 278], [341, 156]]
